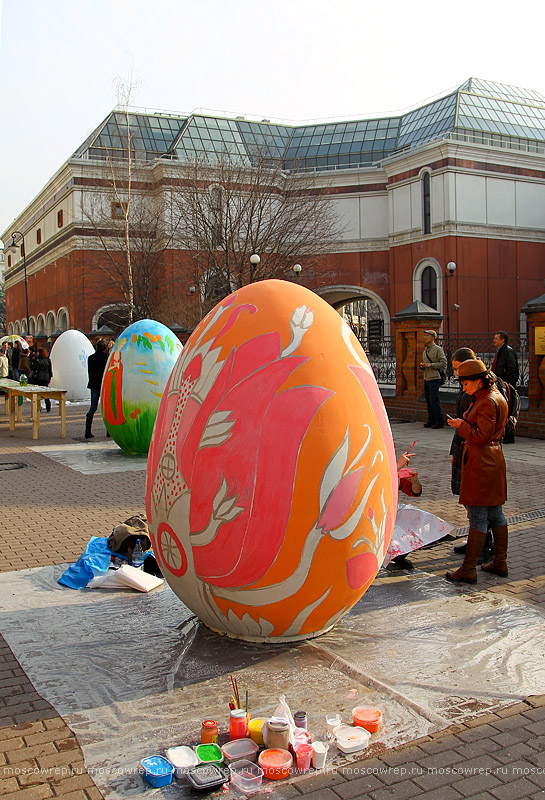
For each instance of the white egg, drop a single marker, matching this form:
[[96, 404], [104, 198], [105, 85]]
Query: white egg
[[69, 356]]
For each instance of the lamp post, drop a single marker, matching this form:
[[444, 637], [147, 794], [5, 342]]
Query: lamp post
[[254, 261], [297, 269], [451, 268], [11, 248]]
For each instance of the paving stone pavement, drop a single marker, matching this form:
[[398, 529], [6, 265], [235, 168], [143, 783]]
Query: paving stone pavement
[[49, 512]]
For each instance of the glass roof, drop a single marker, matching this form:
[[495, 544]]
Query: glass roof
[[428, 122], [152, 135], [476, 106], [211, 137]]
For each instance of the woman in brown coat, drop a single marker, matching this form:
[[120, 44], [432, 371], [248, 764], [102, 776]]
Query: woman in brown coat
[[483, 489]]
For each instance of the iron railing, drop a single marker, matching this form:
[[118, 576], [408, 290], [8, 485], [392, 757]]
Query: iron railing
[[382, 355]]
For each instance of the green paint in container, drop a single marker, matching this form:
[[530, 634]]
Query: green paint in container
[[209, 753]]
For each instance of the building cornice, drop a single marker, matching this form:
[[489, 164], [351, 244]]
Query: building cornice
[[455, 155]]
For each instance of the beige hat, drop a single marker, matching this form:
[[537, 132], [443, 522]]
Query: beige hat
[[472, 370], [432, 333]]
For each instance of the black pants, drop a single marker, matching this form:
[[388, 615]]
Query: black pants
[[431, 393]]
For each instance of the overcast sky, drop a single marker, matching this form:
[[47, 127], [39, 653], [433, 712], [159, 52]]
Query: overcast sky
[[294, 60]]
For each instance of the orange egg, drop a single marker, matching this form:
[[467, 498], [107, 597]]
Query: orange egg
[[272, 484]]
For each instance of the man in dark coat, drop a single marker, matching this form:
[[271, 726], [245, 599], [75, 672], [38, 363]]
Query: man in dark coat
[[505, 365], [96, 365]]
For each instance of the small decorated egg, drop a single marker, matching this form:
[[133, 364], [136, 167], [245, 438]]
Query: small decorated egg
[[272, 483], [69, 356], [134, 380]]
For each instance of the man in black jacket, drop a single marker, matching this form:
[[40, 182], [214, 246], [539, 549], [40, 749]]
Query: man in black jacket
[[96, 365], [505, 365]]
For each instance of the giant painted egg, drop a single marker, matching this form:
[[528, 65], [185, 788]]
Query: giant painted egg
[[272, 483], [69, 356], [134, 380]]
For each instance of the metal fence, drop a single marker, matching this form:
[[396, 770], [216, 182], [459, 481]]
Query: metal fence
[[382, 355]]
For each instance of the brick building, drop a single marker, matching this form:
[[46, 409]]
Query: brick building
[[460, 179]]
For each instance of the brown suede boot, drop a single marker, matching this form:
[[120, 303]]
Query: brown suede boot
[[499, 565], [467, 572]]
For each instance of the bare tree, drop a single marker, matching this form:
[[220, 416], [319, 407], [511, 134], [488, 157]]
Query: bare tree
[[130, 267], [233, 207], [129, 214]]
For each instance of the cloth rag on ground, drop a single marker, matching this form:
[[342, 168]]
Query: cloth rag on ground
[[413, 529]]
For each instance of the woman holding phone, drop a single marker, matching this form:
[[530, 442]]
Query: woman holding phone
[[483, 485]]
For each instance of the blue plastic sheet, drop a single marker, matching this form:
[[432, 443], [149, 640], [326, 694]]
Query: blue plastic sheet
[[94, 561]]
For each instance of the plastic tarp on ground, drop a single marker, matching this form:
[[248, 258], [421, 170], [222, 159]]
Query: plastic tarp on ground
[[133, 674]]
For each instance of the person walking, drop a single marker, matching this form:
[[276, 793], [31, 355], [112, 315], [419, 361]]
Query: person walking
[[96, 365], [505, 364], [433, 363], [483, 485], [42, 373]]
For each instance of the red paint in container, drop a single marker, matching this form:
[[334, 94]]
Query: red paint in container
[[238, 724]]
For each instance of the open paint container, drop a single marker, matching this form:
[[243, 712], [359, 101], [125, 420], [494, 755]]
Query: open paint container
[[367, 717], [351, 739], [209, 754], [182, 758], [275, 763], [157, 771]]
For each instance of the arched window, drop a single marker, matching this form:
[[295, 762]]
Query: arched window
[[426, 202], [50, 323], [62, 319], [429, 287]]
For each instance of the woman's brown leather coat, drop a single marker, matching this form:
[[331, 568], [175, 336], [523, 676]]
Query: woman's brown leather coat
[[484, 481]]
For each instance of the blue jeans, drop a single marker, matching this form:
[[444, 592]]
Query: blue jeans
[[480, 516], [431, 393], [95, 397]]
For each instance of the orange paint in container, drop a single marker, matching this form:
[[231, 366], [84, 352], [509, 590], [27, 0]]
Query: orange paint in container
[[275, 763], [367, 717]]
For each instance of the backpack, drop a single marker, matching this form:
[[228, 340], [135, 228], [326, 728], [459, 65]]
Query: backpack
[[512, 399]]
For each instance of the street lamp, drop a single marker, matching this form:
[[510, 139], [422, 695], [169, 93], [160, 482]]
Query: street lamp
[[297, 269], [254, 261], [451, 268], [11, 248]]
